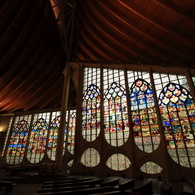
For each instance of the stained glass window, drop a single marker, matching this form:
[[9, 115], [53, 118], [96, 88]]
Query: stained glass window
[[53, 136], [71, 130], [116, 126], [178, 115], [38, 137], [144, 118], [7, 135], [17, 142], [91, 104], [177, 110], [151, 168], [90, 157], [118, 162], [53, 133]]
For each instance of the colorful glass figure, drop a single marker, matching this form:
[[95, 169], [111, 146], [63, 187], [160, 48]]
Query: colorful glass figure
[[178, 116], [116, 125], [17, 143], [91, 113], [71, 131], [37, 142], [144, 118], [53, 136]]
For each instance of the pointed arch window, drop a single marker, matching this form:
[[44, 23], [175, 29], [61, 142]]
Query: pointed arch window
[[53, 136], [178, 116], [71, 131], [37, 142], [115, 115], [91, 113], [145, 127], [17, 142]]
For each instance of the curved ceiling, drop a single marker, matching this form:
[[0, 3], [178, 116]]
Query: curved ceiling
[[147, 32], [32, 58], [33, 52]]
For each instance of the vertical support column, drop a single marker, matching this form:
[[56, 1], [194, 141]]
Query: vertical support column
[[59, 152], [28, 139], [45, 158], [67, 133], [190, 83], [78, 127], [133, 158], [161, 128], [102, 130]]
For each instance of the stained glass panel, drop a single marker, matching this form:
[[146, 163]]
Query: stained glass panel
[[151, 168], [53, 133], [17, 142], [118, 162], [90, 157], [144, 118], [38, 137], [178, 117], [7, 135], [116, 126], [53, 136], [71, 130], [91, 104]]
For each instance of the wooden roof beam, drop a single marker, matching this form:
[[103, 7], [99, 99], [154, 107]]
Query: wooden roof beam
[[131, 38], [174, 8], [148, 34], [158, 23]]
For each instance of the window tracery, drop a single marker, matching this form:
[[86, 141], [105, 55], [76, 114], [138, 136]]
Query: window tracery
[[144, 118], [37, 141], [178, 116], [17, 143], [91, 113], [71, 130], [53, 136], [115, 115]]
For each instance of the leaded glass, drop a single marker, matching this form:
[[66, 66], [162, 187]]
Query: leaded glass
[[90, 157], [53, 133], [17, 143], [71, 131], [53, 136], [151, 168], [118, 162], [91, 104], [144, 118], [178, 116], [116, 126], [37, 141], [7, 135]]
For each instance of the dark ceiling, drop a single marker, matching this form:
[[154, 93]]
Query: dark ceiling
[[34, 51]]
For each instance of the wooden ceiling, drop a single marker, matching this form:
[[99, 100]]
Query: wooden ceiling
[[33, 52], [136, 31]]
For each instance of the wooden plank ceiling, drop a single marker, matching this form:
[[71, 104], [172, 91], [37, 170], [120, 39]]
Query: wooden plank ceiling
[[32, 56]]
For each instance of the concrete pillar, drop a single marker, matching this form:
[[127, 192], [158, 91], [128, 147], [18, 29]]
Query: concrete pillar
[[59, 152]]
